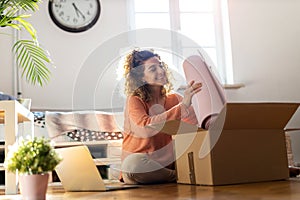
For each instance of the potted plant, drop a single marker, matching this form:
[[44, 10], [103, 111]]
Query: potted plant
[[30, 56], [32, 159]]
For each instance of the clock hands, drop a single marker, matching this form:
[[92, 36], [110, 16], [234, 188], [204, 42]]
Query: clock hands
[[78, 11]]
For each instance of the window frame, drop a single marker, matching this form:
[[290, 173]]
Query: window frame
[[222, 36]]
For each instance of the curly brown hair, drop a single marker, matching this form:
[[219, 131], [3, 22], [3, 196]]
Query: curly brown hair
[[134, 73]]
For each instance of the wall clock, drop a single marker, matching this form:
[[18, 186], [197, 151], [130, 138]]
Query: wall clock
[[74, 15]]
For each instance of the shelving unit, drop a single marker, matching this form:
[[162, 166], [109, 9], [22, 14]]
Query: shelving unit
[[2, 149], [2, 170], [12, 113], [106, 153]]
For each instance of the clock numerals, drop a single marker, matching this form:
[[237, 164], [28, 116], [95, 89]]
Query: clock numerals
[[61, 14], [75, 20], [91, 5]]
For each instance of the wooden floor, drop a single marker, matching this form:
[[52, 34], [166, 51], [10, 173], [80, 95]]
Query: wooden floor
[[289, 189]]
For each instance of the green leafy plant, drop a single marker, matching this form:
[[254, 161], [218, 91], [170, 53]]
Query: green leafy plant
[[30, 56], [32, 156]]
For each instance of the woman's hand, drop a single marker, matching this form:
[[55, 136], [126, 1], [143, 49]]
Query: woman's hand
[[192, 88]]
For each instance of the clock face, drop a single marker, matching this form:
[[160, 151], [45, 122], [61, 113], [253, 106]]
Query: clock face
[[74, 15]]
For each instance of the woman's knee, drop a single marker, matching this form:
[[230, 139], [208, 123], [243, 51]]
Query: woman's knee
[[132, 162], [140, 163]]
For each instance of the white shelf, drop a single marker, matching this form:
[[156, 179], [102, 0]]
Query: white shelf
[[2, 167], [2, 148], [11, 114], [69, 144], [107, 161]]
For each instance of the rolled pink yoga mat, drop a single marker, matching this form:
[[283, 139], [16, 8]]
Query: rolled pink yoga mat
[[210, 100]]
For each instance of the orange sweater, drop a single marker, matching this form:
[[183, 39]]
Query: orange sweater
[[140, 139]]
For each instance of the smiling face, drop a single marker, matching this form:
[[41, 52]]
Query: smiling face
[[154, 72], [146, 75]]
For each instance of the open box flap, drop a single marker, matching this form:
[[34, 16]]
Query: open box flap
[[174, 127], [258, 115], [239, 116]]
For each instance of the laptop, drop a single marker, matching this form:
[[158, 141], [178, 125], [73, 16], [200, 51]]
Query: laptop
[[78, 172]]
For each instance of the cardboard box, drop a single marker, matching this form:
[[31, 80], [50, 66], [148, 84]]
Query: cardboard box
[[245, 144]]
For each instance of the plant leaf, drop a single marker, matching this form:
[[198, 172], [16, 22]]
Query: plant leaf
[[32, 59]]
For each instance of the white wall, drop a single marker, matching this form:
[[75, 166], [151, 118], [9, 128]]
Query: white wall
[[265, 44], [69, 52], [6, 61]]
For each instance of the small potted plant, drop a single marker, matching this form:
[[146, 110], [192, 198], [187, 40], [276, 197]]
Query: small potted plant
[[32, 159]]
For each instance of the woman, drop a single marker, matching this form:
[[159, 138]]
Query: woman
[[148, 155]]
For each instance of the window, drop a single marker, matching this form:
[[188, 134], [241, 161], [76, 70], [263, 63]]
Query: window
[[203, 21]]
